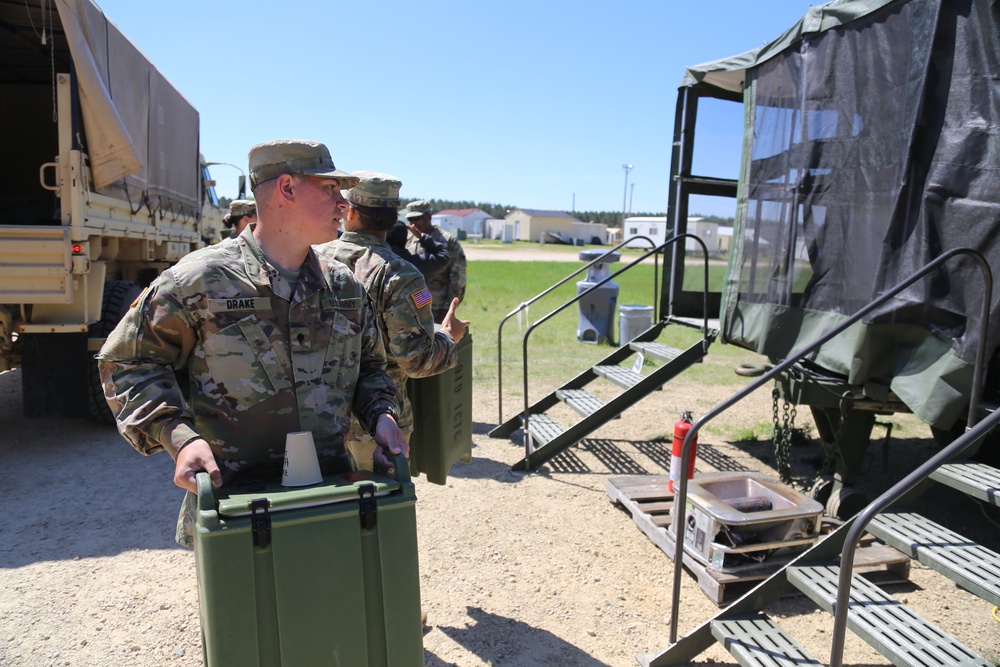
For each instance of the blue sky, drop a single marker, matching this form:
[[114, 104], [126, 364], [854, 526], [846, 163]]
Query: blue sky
[[532, 104]]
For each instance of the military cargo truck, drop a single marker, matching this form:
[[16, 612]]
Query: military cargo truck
[[102, 187]]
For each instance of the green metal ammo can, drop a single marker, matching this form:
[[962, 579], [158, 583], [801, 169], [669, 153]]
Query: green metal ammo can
[[442, 417]]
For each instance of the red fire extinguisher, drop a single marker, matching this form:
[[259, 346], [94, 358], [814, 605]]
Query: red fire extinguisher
[[681, 429]]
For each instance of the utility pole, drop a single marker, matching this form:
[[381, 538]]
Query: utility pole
[[631, 191], [627, 168]]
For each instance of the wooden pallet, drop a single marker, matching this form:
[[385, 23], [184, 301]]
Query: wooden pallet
[[649, 502]]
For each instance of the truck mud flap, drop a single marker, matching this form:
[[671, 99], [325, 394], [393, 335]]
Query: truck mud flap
[[54, 375]]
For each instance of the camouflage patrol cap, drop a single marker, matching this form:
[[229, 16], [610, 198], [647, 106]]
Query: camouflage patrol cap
[[240, 207], [294, 156], [418, 209], [375, 189]]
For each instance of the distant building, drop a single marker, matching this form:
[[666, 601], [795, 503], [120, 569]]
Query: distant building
[[500, 229], [469, 220], [554, 227], [655, 228], [707, 232], [725, 239]]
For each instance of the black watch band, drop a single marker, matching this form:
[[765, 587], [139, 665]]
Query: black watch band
[[377, 412]]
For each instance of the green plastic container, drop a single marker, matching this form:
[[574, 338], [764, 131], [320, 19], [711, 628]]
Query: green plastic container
[[442, 417], [318, 575]]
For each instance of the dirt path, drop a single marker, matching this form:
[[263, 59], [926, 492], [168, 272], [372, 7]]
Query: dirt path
[[516, 253]]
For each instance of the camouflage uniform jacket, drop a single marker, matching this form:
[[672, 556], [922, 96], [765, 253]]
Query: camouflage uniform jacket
[[402, 300], [261, 361], [449, 283]]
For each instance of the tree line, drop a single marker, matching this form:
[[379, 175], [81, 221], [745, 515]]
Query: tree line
[[609, 218]]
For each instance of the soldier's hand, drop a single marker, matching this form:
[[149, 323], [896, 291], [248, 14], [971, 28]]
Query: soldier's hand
[[193, 458], [413, 230], [452, 325], [388, 437]]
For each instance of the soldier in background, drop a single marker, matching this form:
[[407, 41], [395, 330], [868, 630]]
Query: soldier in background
[[401, 297], [434, 257], [274, 335], [242, 212], [449, 283]]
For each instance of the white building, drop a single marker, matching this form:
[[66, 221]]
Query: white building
[[655, 227], [500, 229], [707, 232], [469, 220]]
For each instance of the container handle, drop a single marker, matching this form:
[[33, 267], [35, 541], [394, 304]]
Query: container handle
[[206, 493], [401, 466]]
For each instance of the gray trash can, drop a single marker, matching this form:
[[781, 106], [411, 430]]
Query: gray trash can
[[597, 309], [632, 321]]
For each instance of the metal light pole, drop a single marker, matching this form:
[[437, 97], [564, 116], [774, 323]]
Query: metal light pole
[[627, 168], [631, 191]]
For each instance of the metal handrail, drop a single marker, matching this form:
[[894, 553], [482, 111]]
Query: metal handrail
[[861, 521], [525, 304], [524, 350], [681, 485]]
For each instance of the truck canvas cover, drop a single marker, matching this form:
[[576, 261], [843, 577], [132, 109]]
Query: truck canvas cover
[[872, 146], [139, 132]]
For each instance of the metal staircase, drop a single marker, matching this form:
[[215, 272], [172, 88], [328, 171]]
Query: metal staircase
[[825, 572], [544, 437], [547, 437], [886, 624]]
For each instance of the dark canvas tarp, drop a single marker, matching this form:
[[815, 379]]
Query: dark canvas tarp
[[872, 146], [142, 135]]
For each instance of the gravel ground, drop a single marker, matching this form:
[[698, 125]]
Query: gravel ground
[[537, 569]]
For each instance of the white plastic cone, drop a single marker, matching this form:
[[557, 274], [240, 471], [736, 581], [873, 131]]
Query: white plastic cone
[[301, 462]]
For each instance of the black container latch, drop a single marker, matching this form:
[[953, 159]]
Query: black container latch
[[367, 506], [260, 522]]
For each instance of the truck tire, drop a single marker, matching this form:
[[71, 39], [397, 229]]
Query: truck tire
[[118, 296]]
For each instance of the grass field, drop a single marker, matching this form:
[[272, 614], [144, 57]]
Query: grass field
[[496, 288]]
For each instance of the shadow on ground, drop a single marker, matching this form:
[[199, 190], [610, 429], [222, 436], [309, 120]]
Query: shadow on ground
[[75, 489], [521, 644]]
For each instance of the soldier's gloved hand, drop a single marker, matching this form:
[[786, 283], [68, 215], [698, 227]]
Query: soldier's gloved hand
[[388, 437], [452, 325], [195, 457]]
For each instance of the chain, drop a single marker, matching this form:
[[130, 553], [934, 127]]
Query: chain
[[783, 436]]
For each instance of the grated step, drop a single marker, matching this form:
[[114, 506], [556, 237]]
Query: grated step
[[620, 375], [543, 429], [890, 627], [580, 400], [968, 564], [658, 351], [757, 641], [973, 479]]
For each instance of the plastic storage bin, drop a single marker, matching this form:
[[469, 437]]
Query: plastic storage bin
[[318, 575], [632, 321], [442, 417]]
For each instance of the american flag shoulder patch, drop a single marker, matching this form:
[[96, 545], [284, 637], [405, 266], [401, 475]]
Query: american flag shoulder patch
[[421, 298]]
